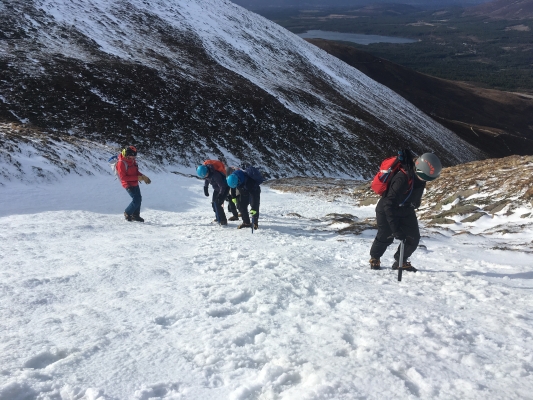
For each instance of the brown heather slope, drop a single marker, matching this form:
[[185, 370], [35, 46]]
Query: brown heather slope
[[498, 123], [503, 9]]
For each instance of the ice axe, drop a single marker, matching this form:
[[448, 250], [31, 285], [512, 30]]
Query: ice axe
[[400, 261]]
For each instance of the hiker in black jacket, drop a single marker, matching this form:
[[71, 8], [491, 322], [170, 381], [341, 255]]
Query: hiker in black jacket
[[220, 189], [396, 210]]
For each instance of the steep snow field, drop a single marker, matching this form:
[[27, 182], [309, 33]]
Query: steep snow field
[[93, 307]]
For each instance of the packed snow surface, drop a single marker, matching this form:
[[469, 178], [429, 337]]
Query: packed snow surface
[[94, 307]]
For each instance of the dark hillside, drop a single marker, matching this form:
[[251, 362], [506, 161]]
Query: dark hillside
[[190, 80], [503, 9], [499, 123]]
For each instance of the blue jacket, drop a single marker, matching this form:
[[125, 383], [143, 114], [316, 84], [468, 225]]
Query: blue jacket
[[245, 182], [217, 180]]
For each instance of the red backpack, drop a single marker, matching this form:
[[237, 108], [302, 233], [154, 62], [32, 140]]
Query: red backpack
[[387, 170], [217, 165]]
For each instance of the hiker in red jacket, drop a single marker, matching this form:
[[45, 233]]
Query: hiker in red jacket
[[130, 176]]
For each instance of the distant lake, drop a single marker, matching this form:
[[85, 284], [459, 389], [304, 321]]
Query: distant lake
[[353, 37]]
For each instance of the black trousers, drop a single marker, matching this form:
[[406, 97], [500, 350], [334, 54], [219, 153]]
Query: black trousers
[[218, 205], [408, 224], [253, 199], [232, 208]]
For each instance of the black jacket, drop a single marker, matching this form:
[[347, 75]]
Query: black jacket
[[399, 190], [217, 180]]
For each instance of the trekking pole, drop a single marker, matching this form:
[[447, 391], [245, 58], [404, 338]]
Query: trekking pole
[[400, 261]]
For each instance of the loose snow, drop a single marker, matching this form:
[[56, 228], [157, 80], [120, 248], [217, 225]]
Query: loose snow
[[94, 307]]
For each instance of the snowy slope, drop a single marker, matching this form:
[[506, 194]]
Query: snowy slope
[[185, 79], [93, 307]]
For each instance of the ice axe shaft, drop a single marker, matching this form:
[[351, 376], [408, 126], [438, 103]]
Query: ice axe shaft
[[400, 261]]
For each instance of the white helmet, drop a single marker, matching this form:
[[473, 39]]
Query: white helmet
[[428, 167]]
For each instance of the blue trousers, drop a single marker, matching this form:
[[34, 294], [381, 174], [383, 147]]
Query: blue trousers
[[134, 207]]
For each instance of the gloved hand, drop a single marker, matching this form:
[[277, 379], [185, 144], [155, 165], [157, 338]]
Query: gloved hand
[[234, 200], [399, 235], [410, 240], [206, 191], [253, 212], [144, 178]]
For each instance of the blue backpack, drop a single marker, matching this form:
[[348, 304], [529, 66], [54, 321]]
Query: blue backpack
[[255, 174]]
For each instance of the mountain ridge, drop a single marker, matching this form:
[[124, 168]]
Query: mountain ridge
[[189, 80]]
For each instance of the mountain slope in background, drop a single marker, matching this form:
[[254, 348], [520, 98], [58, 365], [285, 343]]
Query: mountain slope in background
[[185, 80], [314, 4], [503, 9], [499, 123]]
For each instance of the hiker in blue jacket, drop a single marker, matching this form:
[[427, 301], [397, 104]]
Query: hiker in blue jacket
[[249, 193], [220, 190]]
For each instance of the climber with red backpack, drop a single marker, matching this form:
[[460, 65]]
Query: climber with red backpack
[[401, 182], [214, 173]]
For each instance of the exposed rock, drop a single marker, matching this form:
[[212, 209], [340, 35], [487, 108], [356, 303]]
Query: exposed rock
[[342, 218], [294, 215], [357, 228], [438, 221], [458, 210], [474, 217], [368, 201], [496, 207]]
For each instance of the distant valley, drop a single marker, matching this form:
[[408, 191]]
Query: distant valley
[[488, 45], [497, 122]]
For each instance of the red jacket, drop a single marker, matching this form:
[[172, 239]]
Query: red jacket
[[127, 171]]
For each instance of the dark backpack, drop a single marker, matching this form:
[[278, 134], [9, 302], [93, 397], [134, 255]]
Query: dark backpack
[[255, 174]]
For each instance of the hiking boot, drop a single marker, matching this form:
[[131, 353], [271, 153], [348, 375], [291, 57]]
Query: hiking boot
[[234, 218], [375, 263], [244, 225], [223, 222], [128, 217], [406, 266], [137, 218], [256, 225]]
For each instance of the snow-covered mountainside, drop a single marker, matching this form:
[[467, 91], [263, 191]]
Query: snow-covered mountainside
[[189, 79]]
